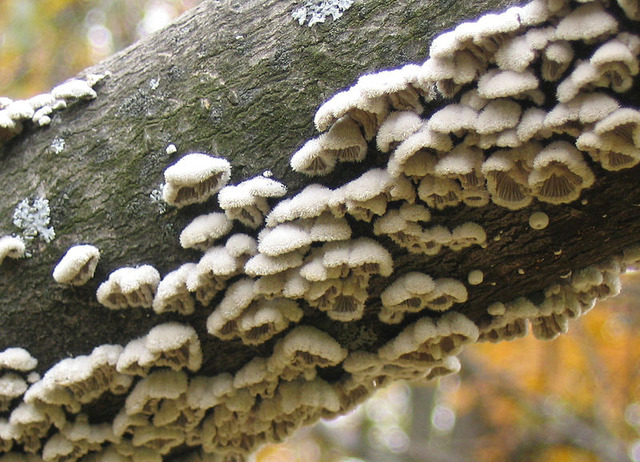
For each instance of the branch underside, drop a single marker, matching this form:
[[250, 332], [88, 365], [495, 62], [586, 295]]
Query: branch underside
[[112, 158]]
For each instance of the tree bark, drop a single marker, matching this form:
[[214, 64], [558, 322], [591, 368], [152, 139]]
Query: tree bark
[[242, 80]]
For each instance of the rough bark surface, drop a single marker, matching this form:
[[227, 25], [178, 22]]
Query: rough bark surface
[[242, 80]]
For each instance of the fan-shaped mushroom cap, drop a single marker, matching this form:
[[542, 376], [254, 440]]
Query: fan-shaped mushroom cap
[[129, 287], [308, 203], [162, 384], [194, 179], [17, 359], [12, 247], [240, 244], [427, 342], [439, 193], [282, 239], [135, 359], [264, 265], [559, 173], [312, 159], [304, 348], [344, 141], [174, 345], [74, 89], [266, 318], [204, 230], [587, 22], [466, 235], [256, 378], [502, 84], [237, 298], [497, 116], [464, 164], [507, 175], [77, 266], [556, 59], [416, 156], [368, 112], [327, 228], [396, 84], [515, 54], [12, 386], [453, 118], [409, 293], [397, 127], [172, 293], [446, 293]]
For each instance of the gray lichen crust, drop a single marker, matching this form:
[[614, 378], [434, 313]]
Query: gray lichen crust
[[521, 122]]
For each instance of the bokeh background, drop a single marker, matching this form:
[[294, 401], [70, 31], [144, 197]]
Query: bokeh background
[[576, 398]]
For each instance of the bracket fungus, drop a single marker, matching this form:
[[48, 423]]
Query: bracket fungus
[[247, 201], [204, 230], [195, 178], [77, 266], [11, 247], [129, 287], [512, 109]]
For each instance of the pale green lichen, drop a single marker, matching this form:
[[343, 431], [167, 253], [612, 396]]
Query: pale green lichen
[[33, 219], [316, 11]]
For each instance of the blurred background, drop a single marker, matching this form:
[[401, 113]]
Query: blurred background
[[576, 398]]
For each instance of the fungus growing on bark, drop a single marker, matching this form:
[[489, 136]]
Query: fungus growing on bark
[[404, 227], [195, 178], [204, 230], [247, 201], [503, 84], [399, 85], [12, 386], [241, 314], [369, 113], [456, 119], [475, 277], [148, 394], [614, 141], [302, 350], [17, 359], [283, 239], [77, 266], [218, 265], [172, 293], [129, 287], [559, 174], [507, 173], [312, 201], [408, 294], [342, 143], [74, 89], [11, 247], [416, 156], [174, 345], [397, 127], [310, 253], [466, 235], [588, 22], [538, 220], [428, 342], [75, 381]]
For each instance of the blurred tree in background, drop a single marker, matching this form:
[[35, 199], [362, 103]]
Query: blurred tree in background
[[576, 398], [44, 42]]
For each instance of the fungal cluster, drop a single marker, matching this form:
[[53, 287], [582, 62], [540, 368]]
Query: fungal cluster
[[499, 136], [39, 109]]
